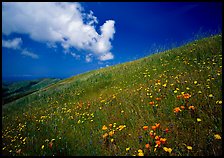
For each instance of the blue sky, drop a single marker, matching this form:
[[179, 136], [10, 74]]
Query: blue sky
[[65, 39]]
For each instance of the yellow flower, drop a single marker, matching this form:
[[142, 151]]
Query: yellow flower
[[198, 119], [111, 133], [112, 140], [164, 85], [140, 151], [217, 136], [189, 147], [175, 91], [199, 92], [167, 149], [104, 127], [105, 135], [42, 146], [210, 95], [127, 149], [195, 82], [140, 154], [187, 88]]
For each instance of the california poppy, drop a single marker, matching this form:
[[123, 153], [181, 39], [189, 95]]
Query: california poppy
[[153, 127], [145, 127]]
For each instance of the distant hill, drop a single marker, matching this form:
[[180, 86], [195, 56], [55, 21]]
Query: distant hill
[[15, 90], [166, 104]]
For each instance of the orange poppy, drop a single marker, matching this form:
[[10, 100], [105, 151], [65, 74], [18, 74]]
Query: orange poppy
[[176, 110], [158, 143], [158, 99], [110, 125], [151, 134], [166, 130], [179, 96], [162, 140], [151, 102], [191, 107], [147, 146], [153, 127], [157, 125], [182, 107], [157, 138], [186, 96], [145, 127]]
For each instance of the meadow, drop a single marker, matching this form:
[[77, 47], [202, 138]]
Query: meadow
[[166, 104]]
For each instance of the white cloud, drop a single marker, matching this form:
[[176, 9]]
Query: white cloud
[[107, 56], [76, 56], [88, 58], [30, 54], [13, 44], [64, 23]]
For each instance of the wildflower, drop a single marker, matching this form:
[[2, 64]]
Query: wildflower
[[151, 102], [163, 140], [153, 127], [105, 135], [198, 119], [182, 107], [147, 146], [145, 127], [179, 96], [186, 96], [104, 127], [166, 130], [110, 125], [158, 143], [175, 91], [111, 133], [112, 140], [50, 145], [158, 99], [157, 125], [167, 149], [191, 107], [219, 102], [177, 109], [164, 85], [127, 149], [199, 92], [189, 147], [18, 151], [210, 95], [42, 147], [187, 88], [151, 134], [140, 152], [195, 82], [217, 136], [157, 138]]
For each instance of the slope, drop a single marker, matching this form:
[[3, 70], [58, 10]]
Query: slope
[[164, 104]]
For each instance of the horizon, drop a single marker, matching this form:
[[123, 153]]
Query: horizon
[[89, 40]]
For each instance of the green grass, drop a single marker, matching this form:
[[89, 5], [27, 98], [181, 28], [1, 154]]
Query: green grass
[[73, 111]]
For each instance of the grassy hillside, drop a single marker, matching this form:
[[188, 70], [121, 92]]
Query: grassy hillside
[[16, 90], [169, 103]]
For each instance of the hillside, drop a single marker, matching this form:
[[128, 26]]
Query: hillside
[[16, 90], [167, 104]]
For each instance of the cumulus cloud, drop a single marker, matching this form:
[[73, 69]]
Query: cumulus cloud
[[13, 44], [30, 54], [107, 56], [56, 22]]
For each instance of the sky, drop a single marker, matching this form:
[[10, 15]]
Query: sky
[[63, 39]]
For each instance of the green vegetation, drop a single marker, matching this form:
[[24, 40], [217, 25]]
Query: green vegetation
[[169, 103], [16, 90]]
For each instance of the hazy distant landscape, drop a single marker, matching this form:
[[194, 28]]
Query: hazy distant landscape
[[95, 79]]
